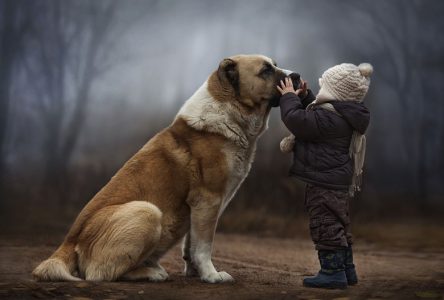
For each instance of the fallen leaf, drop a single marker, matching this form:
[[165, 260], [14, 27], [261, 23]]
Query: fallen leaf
[[428, 294], [82, 284]]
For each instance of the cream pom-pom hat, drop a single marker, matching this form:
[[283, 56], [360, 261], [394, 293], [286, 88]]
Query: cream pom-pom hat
[[346, 82]]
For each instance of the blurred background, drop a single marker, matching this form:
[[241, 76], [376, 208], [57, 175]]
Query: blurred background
[[84, 84]]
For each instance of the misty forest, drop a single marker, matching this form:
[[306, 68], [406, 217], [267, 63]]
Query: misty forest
[[85, 84]]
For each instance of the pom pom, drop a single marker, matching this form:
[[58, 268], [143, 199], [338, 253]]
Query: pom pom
[[287, 144], [365, 69]]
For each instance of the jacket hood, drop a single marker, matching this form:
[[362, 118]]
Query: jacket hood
[[355, 113]]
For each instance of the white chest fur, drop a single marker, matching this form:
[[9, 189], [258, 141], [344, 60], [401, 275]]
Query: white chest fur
[[202, 112], [239, 162]]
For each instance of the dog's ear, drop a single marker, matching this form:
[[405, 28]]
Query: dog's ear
[[228, 72]]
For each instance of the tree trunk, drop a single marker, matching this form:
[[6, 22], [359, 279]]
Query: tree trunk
[[13, 28]]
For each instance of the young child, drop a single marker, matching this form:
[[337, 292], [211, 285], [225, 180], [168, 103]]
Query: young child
[[328, 145]]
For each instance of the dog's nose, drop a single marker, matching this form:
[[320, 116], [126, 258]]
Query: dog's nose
[[296, 79], [295, 76]]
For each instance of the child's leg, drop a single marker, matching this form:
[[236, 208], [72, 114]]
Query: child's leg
[[350, 271], [328, 211], [347, 227], [329, 217]]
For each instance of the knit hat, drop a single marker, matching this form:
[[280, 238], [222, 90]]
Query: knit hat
[[346, 81]]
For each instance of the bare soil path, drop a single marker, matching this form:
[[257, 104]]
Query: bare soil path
[[264, 268]]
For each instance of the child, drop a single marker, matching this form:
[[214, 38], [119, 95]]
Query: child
[[328, 145]]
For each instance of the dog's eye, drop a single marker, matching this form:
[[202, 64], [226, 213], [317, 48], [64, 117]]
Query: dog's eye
[[268, 70]]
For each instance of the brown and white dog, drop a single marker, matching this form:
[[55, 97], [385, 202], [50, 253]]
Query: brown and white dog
[[176, 186]]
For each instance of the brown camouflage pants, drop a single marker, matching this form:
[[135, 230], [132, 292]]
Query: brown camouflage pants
[[329, 217]]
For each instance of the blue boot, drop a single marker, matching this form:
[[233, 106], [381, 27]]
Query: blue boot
[[332, 274], [350, 271]]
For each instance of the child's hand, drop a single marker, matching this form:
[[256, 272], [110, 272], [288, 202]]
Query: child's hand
[[303, 88], [287, 87]]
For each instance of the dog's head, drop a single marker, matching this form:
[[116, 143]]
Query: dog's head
[[252, 79]]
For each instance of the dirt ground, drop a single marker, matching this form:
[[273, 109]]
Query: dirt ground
[[264, 268]]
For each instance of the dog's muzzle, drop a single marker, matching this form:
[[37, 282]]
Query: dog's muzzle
[[287, 72], [295, 79]]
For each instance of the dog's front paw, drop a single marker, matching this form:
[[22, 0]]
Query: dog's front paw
[[218, 277]]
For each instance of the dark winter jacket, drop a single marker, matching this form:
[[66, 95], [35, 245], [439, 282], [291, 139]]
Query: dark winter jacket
[[321, 150]]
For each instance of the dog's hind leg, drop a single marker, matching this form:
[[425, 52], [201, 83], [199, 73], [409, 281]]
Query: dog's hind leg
[[118, 239]]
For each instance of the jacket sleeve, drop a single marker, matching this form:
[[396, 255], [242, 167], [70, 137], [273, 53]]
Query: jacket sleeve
[[301, 123], [309, 98]]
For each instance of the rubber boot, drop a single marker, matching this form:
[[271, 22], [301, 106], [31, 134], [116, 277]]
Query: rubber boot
[[332, 274], [350, 270]]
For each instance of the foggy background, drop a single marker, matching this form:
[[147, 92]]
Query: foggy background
[[84, 84]]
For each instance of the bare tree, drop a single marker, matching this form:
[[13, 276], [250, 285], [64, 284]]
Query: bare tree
[[15, 24], [69, 50], [396, 29]]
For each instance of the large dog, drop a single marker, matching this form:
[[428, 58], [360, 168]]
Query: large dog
[[176, 186]]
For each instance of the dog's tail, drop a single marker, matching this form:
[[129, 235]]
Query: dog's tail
[[59, 266]]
